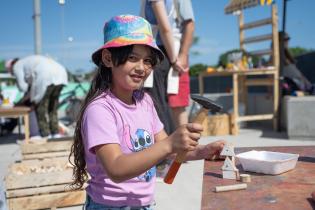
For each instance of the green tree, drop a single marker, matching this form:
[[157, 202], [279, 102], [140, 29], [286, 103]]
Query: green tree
[[197, 68], [296, 51], [2, 66]]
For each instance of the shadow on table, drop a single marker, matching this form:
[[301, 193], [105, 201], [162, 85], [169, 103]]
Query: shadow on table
[[311, 202], [307, 159]]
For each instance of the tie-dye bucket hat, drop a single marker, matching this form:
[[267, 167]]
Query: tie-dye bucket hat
[[124, 30]]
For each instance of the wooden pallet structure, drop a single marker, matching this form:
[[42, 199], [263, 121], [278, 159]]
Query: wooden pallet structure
[[41, 180], [41, 184], [46, 149]]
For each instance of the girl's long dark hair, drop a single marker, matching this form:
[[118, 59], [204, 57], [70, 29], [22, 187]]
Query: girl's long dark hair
[[100, 83]]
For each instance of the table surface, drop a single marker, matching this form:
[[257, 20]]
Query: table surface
[[254, 71], [17, 110], [289, 191]]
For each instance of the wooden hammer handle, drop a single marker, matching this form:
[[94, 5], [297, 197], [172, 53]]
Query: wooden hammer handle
[[180, 157]]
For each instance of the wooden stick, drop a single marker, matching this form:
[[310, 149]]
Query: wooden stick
[[230, 187]]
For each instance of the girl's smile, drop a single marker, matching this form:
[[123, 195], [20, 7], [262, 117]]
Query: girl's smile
[[131, 75]]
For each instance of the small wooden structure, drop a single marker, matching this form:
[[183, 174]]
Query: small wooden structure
[[229, 170], [41, 184], [262, 76], [41, 179]]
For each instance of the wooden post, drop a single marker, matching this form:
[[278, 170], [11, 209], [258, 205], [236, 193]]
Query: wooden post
[[276, 63], [241, 31], [26, 127], [235, 102], [200, 81]]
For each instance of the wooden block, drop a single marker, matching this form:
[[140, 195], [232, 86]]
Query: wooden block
[[48, 200], [230, 187], [245, 178], [218, 125], [228, 150], [56, 146], [228, 165], [205, 131], [229, 175]]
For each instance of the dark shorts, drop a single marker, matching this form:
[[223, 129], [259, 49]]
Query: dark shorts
[[91, 205], [182, 98]]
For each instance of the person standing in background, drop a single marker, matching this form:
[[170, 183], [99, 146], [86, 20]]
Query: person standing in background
[[44, 78], [160, 14], [183, 37]]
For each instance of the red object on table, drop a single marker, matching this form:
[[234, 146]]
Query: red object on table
[[290, 190]]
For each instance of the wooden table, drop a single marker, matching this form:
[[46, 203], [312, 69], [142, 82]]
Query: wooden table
[[289, 191], [16, 112], [241, 82]]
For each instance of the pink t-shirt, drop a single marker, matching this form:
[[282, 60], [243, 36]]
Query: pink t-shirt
[[109, 120]]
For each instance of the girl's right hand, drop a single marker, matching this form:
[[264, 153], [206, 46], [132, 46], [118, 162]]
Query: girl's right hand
[[185, 138]]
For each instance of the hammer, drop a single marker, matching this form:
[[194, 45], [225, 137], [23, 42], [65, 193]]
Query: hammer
[[207, 105]]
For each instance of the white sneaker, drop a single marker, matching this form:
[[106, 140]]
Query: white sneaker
[[57, 135], [36, 138]]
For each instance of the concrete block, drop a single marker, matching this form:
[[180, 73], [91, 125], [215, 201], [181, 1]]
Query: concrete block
[[300, 112]]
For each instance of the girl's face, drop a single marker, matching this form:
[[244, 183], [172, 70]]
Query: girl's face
[[131, 75]]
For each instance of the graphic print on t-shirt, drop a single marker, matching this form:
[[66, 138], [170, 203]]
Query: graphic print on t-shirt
[[137, 142]]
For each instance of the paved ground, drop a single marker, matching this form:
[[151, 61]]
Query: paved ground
[[185, 192]]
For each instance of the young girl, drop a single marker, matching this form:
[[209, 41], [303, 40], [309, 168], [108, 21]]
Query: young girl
[[119, 138]]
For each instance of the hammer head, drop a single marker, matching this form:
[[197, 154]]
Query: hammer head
[[207, 103]]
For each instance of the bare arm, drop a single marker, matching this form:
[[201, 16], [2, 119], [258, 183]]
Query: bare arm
[[208, 151], [121, 167], [166, 33], [164, 28], [186, 42]]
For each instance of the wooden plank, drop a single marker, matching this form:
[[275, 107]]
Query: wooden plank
[[13, 181], [255, 71], [28, 167], [276, 63], [241, 32], [48, 201], [39, 190], [43, 161], [46, 147], [235, 103], [46, 155], [255, 117], [256, 23], [257, 38], [259, 82], [201, 83], [261, 52], [14, 111], [26, 128]]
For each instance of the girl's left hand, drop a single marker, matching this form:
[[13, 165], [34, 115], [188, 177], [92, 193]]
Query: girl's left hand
[[213, 150]]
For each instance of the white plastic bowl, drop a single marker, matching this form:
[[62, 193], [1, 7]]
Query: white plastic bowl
[[267, 162]]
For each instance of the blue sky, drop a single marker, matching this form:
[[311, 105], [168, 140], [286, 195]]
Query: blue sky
[[70, 33]]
